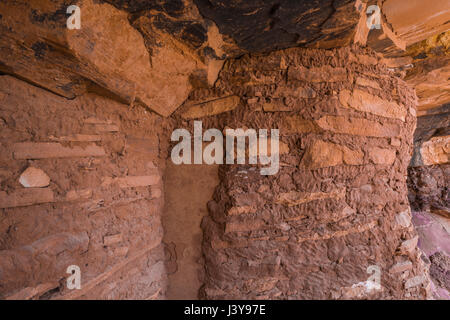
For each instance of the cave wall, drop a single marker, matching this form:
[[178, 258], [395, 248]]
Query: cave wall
[[429, 172], [429, 188], [338, 204], [102, 207]]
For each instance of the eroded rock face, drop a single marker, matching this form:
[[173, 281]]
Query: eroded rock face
[[436, 151], [414, 40], [431, 144], [262, 26], [429, 71], [107, 53], [155, 52]]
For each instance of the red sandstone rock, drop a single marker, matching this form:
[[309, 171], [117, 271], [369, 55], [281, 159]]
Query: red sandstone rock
[[26, 197], [322, 154], [34, 178], [42, 150], [382, 156], [210, 108], [436, 151], [137, 63], [358, 126], [363, 101]]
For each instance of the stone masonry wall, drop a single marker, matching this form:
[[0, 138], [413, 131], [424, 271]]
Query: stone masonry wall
[[80, 184], [338, 204]]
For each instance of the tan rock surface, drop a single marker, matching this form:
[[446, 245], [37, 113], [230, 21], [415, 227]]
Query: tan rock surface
[[34, 178], [436, 151]]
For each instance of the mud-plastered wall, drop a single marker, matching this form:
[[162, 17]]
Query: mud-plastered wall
[[80, 186], [334, 222]]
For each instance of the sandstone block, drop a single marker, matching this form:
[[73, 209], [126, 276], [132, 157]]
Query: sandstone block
[[296, 125], [252, 101], [34, 178], [338, 234], [276, 106], [26, 197], [211, 108], [43, 150], [364, 82], [396, 62], [365, 102], [324, 154], [352, 157], [57, 243], [357, 126], [395, 142], [436, 151], [78, 138], [364, 59]]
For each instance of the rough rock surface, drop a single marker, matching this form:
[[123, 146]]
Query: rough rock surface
[[434, 241], [313, 229], [107, 55], [429, 187], [100, 212]]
